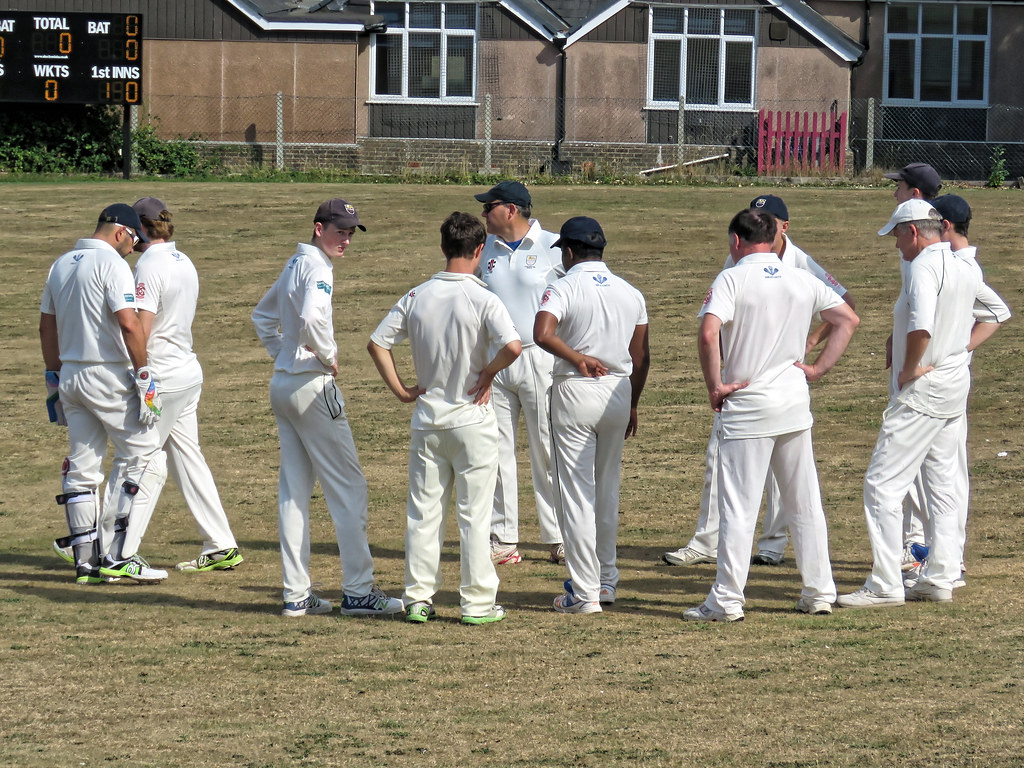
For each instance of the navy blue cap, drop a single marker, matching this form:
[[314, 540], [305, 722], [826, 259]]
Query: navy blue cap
[[952, 208], [773, 204], [125, 215], [506, 192], [919, 176], [581, 229], [339, 213]]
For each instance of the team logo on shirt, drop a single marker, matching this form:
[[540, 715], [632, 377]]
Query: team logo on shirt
[[707, 296], [78, 257], [600, 280], [412, 293], [321, 285], [771, 271], [491, 265], [831, 280], [545, 297], [531, 261], [140, 291]]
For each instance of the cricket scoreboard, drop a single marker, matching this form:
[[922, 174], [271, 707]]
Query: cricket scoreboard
[[70, 58]]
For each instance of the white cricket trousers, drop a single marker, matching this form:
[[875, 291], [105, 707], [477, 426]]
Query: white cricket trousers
[[316, 443], [523, 388], [588, 429], [463, 459], [178, 428], [705, 539], [101, 404], [915, 507], [743, 464], [910, 442]]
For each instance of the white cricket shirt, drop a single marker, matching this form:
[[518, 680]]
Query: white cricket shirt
[[597, 313], [518, 277], [294, 320], [167, 284], [795, 256], [941, 294], [766, 308], [452, 322], [84, 289]]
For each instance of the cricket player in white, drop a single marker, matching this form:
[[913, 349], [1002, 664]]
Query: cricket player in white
[[294, 322], [518, 263], [771, 545], [758, 314], [91, 338], [166, 294], [452, 323], [595, 324], [923, 426]]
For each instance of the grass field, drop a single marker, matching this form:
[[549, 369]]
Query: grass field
[[201, 670]]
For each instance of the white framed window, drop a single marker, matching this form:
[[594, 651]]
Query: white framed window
[[704, 55], [937, 53], [428, 53]]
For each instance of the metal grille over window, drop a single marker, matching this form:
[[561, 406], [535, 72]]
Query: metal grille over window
[[937, 53]]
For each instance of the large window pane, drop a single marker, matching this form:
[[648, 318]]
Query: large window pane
[[739, 22], [936, 69], [738, 80], [459, 80], [901, 68], [459, 16], [393, 13], [425, 15], [389, 66], [704, 21], [972, 20], [970, 84], [702, 71], [936, 19], [902, 19], [666, 70], [425, 66], [668, 21]]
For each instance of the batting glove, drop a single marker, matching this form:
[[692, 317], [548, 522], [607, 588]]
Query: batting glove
[[149, 396], [54, 407]]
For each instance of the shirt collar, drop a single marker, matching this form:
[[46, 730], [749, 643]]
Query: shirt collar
[[456, 276]]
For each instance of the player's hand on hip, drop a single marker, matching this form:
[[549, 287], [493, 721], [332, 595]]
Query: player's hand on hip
[[810, 372], [718, 394], [411, 393], [149, 396], [591, 367], [482, 388], [54, 407], [906, 377]]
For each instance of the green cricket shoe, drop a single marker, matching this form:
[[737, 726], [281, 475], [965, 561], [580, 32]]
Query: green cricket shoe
[[497, 613], [223, 560]]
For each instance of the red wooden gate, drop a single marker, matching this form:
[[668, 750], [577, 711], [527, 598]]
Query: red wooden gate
[[801, 142]]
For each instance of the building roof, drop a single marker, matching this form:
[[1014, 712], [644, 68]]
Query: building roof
[[570, 20]]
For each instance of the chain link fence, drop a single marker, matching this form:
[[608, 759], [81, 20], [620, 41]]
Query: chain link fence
[[501, 134]]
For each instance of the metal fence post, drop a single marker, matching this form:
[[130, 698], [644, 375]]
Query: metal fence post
[[134, 124], [869, 151], [487, 133], [681, 132], [280, 131]]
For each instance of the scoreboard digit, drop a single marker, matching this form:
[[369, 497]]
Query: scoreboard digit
[[72, 58]]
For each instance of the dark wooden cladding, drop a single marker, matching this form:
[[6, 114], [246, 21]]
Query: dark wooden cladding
[[627, 26], [215, 20], [498, 24]]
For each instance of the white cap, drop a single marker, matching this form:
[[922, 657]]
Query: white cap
[[914, 209]]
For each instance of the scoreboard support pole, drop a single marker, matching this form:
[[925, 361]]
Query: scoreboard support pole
[[126, 142]]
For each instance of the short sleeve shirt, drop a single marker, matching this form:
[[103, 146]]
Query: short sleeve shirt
[[597, 313], [766, 308], [167, 284], [452, 322], [84, 289]]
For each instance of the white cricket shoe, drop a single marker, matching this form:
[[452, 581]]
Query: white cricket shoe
[[865, 598], [813, 607], [687, 556]]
